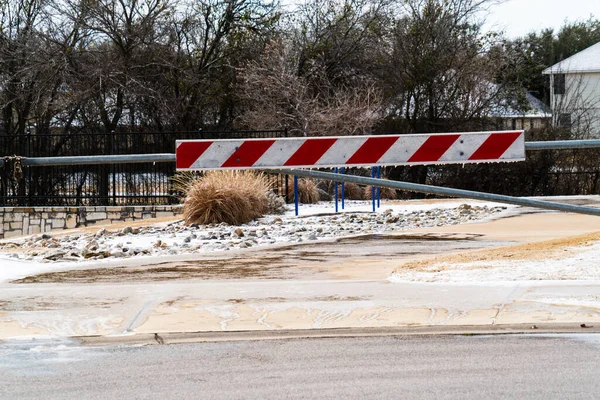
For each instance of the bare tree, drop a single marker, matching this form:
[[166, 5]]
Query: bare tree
[[276, 97], [440, 66]]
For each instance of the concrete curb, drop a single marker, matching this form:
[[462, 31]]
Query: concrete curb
[[472, 330]]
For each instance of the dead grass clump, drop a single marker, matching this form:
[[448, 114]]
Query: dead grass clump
[[386, 193], [307, 191], [351, 191], [233, 197]]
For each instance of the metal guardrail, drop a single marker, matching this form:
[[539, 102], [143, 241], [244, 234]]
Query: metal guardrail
[[563, 145], [169, 157], [441, 191]]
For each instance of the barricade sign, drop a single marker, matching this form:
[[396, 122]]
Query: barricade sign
[[351, 151]]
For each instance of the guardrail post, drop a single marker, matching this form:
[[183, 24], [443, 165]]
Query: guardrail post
[[296, 194], [378, 187], [335, 191], [373, 188], [343, 187]]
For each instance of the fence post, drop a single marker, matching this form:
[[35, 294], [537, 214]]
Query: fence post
[[114, 175], [28, 174]]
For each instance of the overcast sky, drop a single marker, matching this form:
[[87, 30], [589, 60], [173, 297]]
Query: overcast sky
[[519, 17]]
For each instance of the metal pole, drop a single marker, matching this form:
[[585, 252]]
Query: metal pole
[[373, 188], [97, 160], [296, 194], [343, 187], [467, 194], [335, 191], [378, 187], [563, 145]]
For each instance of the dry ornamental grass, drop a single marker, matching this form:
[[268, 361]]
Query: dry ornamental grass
[[386, 193], [233, 197], [307, 191], [351, 191]]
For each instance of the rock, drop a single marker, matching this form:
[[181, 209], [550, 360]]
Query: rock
[[127, 230], [46, 236], [239, 232], [101, 232], [187, 239], [89, 254], [312, 236], [55, 255], [92, 245]]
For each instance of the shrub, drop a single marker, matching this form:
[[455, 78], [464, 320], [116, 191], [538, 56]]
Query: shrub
[[307, 191], [233, 197], [386, 193], [351, 191]]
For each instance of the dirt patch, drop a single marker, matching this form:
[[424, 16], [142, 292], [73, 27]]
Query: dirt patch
[[434, 237], [223, 269], [52, 303], [307, 299], [549, 249]]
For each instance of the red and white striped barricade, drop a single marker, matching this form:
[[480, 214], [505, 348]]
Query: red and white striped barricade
[[351, 151]]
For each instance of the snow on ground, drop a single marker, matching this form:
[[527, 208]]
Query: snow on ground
[[26, 256], [581, 264]]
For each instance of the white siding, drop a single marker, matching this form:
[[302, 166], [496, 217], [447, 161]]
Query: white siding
[[581, 101]]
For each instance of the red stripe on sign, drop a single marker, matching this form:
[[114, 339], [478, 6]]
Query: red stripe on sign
[[248, 153], [188, 152], [372, 150], [495, 145], [433, 148], [310, 152]]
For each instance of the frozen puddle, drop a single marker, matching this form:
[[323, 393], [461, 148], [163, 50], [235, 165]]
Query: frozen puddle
[[297, 261]]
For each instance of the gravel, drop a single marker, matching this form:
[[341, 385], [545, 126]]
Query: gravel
[[177, 238]]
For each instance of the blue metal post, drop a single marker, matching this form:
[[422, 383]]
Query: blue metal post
[[335, 191], [296, 193], [378, 187], [343, 196], [373, 188]]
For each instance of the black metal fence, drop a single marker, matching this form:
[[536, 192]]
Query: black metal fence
[[123, 184]]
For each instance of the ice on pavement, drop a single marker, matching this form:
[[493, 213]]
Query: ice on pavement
[[55, 251], [582, 263]]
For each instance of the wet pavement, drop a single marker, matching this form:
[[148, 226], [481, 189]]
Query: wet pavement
[[319, 260], [307, 286]]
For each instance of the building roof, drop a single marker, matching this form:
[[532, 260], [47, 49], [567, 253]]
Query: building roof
[[587, 60], [535, 108]]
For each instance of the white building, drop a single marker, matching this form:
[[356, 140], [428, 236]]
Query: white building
[[575, 92]]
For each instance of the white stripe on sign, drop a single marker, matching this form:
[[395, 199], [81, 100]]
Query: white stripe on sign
[[341, 151]]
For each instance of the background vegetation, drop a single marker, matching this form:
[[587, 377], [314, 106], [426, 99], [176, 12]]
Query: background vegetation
[[323, 67]]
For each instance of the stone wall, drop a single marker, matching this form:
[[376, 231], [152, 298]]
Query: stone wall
[[20, 221]]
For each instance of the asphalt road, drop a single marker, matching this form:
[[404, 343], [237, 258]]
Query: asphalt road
[[424, 367]]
